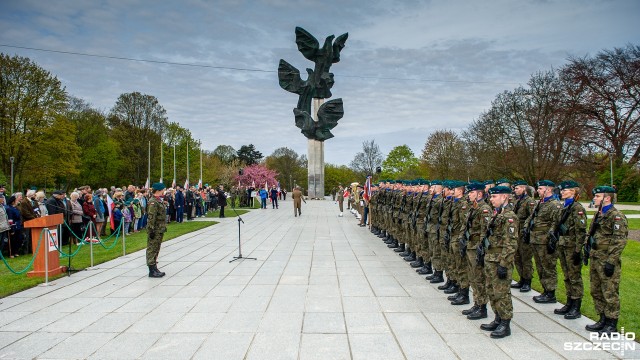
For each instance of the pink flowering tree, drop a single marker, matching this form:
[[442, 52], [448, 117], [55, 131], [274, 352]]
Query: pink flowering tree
[[257, 175]]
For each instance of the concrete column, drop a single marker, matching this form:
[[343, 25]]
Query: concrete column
[[315, 157]]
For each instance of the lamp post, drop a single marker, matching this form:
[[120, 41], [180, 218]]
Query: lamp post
[[12, 159]]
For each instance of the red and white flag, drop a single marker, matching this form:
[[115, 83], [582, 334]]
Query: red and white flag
[[146, 185], [173, 184], [110, 206], [367, 189], [186, 184]]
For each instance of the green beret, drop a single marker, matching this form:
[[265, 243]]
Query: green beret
[[545, 183], [436, 182], [500, 190], [158, 186], [503, 181], [475, 186], [136, 201], [127, 203], [457, 183], [603, 189], [488, 182], [519, 182], [568, 184]]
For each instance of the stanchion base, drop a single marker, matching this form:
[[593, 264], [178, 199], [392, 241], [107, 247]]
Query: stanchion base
[[52, 272], [241, 258]]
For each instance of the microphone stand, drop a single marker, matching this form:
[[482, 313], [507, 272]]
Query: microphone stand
[[239, 257]]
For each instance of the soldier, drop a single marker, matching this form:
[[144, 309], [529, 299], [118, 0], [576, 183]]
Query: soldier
[[417, 222], [524, 206], [498, 261], [457, 221], [423, 263], [538, 225], [407, 205], [475, 229], [609, 232], [297, 201], [451, 286], [570, 232], [156, 227], [433, 233]]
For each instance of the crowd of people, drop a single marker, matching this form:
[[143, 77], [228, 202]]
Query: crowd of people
[[474, 234]]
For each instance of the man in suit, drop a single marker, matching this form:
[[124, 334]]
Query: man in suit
[[222, 200], [297, 201], [179, 203]]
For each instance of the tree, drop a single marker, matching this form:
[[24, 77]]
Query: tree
[[335, 175], [401, 163], [30, 101], [444, 154], [366, 162], [258, 175], [226, 153], [135, 120], [288, 164], [606, 92], [249, 155]]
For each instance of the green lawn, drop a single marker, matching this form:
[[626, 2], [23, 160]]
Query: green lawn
[[228, 212], [629, 293], [11, 283], [634, 224]]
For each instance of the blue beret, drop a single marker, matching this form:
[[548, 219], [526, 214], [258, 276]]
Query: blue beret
[[158, 186], [568, 184], [603, 189], [519, 182], [545, 183], [500, 190]]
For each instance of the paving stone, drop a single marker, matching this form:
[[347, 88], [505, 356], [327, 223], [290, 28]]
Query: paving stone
[[224, 346], [274, 346], [324, 347], [175, 346], [135, 345], [374, 346], [324, 323]]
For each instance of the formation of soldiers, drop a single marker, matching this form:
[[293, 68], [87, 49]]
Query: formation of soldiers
[[474, 234]]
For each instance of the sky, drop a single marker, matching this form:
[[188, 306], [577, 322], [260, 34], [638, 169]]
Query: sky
[[409, 67]]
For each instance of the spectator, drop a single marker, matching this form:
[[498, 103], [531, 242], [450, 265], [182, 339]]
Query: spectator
[[117, 216], [222, 200], [89, 210], [15, 221], [56, 205], [76, 218], [263, 197], [274, 197], [40, 199], [127, 217], [100, 211], [169, 197], [179, 200], [284, 194], [137, 214], [189, 197], [3, 192], [4, 227]]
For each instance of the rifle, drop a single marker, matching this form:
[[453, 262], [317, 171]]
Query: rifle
[[526, 232], [591, 240], [485, 245], [559, 229], [466, 236]]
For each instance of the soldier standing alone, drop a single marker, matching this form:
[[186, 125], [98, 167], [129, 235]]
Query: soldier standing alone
[[156, 227]]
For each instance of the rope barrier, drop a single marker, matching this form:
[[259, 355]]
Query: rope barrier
[[33, 259]]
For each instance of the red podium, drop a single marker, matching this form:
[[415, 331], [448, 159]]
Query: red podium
[[48, 245]]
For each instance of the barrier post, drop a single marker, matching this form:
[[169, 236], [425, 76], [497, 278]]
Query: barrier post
[[124, 242], [46, 258], [91, 241]]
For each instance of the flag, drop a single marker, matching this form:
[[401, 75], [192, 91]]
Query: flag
[[346, 193], [278, 186], [199, 183], [266, 186], [253, 184], [367, 189], [146, 185], [173, 183], [186, 184], [110, 206]]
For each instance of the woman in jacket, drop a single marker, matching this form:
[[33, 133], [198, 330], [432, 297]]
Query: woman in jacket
[[90, 213], [75, 222]]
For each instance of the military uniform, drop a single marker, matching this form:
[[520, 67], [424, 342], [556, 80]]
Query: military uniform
[[523, 207], [498, 265], [156, 227], [610, 238], [433, 231], [457, 266]]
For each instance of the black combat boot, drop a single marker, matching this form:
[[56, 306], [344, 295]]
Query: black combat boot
[[411, 257], [481, 313], [161, 272], [502, 330], [471, 310], [400, 248], [548, 297], [598, 325], [518, 285], [445, 285], [454, 296], [154, 273], [394, 244], [389, 240], [492, 325], [406, 252], [429, 268], [526, 285], [383, 234], [453, 288], [437, 278], [610, 327], [418, 263], [574, 312], [463, 297], [565, 309]]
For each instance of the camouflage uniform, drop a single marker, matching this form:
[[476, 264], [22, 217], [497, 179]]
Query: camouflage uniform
[[610, 238], [542, 223], [445, 256], [420, 214], [433, 230], [524, 208], [569, 244], [480, 216], [501, 252], [156, 227], [458, 267]]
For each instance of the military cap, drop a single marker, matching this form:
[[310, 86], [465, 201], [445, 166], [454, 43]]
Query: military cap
[[475, 186], [545, 183], [158, 186], [58, 192], [519, 182], [503, 181], [603, 189], [456, 184], [436, 182], [488, 182], [568, 184], [500, 190]]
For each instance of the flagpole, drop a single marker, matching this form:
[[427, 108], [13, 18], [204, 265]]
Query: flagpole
[[187, 162], [149, 164], [161, 162], [200, 143], [174, 164]]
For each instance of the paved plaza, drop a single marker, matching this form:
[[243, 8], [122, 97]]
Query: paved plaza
[[321, 288]]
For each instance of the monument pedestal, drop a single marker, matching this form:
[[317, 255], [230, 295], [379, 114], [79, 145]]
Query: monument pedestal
[[315, 168], [47, 257]]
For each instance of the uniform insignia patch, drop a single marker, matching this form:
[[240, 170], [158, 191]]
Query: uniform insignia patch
[[580, 213], [617, 218], [486, 219], [510, 221], [559, 206], [512, 229], [485, 211], [616, 227], [582, 221], [464, 207]]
